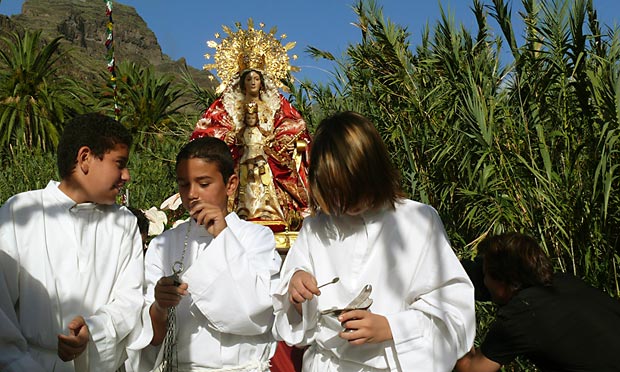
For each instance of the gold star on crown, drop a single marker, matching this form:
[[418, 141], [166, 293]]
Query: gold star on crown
[[250, 49]]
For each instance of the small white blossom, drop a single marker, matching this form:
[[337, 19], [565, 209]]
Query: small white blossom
[[157, 221], [173, 203]]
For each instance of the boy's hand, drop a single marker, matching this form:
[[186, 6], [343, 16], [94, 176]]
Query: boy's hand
[[71, 346], [209, 216], [167, 293], [364, 327], [302, 287]]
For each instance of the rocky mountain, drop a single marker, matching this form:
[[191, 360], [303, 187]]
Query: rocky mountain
[[82, 24]]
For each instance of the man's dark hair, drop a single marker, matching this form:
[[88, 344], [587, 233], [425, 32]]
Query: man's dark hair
[[209, 149], [516, 259], [96, 131]]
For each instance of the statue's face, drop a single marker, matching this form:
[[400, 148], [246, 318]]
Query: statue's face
[[251, 119], [251, 83]]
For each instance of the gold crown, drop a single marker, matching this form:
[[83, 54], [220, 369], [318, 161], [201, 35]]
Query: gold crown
[[250, 49], [251, 107]]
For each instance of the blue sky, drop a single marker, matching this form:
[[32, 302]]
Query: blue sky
[[183, 27]]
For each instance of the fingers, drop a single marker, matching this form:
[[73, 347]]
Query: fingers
[[168, 284], [301, 293], [167, 294], [354, 336], [362, 326], [352, 315], [66, 353], [302, 287], [72, 345], [354, 327], [76, 324], [311, 286], [72, 342], [351, 321], [298, 297], [203, 213], [209, 216], [167, 281]]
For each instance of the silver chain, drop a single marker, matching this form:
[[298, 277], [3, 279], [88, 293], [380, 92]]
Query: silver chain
[[170, 361]]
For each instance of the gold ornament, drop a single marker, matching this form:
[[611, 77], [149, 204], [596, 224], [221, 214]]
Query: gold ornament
[[250, 49], [251, 108]]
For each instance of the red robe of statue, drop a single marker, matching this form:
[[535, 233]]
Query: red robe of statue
[[288, 167]]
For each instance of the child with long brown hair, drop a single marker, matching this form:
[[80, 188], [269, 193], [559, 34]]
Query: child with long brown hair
[[415, 308]]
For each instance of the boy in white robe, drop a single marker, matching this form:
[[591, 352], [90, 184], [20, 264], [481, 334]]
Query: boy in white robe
[[71, 265], [363, 232], [223, 305]]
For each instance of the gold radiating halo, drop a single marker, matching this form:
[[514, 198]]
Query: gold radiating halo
[[250, 49]]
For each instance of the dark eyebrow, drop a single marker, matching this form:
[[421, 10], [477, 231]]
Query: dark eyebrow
[[117, 155], [204, 178]]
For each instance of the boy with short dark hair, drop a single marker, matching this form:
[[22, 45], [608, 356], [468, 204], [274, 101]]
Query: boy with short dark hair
[[226, 267], [71, 265]]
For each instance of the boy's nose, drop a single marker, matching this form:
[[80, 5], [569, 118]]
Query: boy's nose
[[193, 191], [125, 175]]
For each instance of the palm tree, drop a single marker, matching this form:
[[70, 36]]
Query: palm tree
[[201, 97], [34, 101], [148, 102]]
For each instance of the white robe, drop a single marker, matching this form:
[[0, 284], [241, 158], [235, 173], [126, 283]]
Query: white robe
[[59, 260], [226, 319], [418, 284]]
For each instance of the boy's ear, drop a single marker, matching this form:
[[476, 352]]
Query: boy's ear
[[232, 184], [83, 156]]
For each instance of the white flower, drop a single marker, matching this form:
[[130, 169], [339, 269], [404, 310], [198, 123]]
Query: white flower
[[157, 220], [178, 222], [173, 203]]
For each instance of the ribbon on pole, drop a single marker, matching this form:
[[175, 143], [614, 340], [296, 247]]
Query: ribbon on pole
[[109, 44]]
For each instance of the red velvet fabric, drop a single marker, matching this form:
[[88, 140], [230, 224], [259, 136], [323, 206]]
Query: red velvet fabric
[[286, 359]]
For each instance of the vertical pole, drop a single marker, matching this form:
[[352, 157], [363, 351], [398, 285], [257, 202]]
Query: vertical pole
[[109, 44]]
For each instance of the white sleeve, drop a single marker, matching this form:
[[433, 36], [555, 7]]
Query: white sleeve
[[14, 355], [142, 356], [142, 336], [289, 326], [112, 323], [440, 315], [230, 282]]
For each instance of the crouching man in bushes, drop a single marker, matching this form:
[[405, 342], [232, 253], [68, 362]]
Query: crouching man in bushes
[[555, 320]]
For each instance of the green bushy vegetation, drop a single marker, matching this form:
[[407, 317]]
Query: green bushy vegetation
[[25, 169], [530, 145], [153, 176]]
